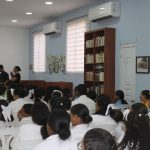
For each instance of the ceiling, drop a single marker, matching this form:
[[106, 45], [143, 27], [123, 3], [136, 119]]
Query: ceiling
[[41, 12]]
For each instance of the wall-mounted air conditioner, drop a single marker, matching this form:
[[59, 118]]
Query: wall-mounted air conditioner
[[109, 9], [51, 28]]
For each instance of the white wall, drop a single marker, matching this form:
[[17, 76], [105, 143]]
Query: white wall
[[14, 49]]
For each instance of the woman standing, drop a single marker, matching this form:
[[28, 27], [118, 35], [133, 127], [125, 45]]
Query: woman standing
[[15, 75]]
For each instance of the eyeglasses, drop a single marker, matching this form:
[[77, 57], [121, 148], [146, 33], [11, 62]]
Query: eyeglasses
[[80, 146]]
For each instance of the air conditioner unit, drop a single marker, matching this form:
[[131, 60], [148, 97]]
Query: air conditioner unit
[[109, 9], [51, 28]]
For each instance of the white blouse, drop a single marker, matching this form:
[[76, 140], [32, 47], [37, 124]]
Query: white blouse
[[55, 143]]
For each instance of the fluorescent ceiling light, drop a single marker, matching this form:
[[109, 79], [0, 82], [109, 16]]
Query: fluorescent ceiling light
[[102, 8], [9, 0], [48, 3], [28, 13], [14, 21]]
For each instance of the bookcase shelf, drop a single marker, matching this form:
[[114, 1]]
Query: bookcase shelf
[[99, 67]]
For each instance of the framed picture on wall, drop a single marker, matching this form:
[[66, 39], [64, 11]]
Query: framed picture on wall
[[142, 64]]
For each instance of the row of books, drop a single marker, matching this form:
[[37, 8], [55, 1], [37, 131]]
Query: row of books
[[99, 41], [99, 58]]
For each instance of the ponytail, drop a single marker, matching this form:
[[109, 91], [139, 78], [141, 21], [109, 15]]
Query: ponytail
[[82, 112], [64, 133], [44, 132], [87, 119]]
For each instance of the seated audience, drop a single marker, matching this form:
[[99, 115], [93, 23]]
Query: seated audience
[[19, 101], [60, 103], [80, 120], [137, 133], [145, 98], [119, 130], [24, 114], [59, 132], [92, 95], [81, 92], [102, 103], [120, 102], [32, 134], [98, 139]]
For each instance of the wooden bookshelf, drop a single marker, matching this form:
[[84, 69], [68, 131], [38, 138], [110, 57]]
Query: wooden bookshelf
[[99, 62]]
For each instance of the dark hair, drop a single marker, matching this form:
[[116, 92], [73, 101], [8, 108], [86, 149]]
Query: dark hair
[[2, 89], [59, 122], [38, 93], [96, 139], [116, 114], [28, 108], [56, 93], [92, 95], [39, 114], [60, 103], [146, 94], [81, 88], [1, 67], [102, 101], [137, 134], [19, 91], [120, 94], [139, 108], [66, 92], [48, 93], [18, 68], [82, 112]]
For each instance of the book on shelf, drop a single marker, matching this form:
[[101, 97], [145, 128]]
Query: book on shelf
[[89, 76], [100, 41], [99, 58], [90, 43], [89, 59]]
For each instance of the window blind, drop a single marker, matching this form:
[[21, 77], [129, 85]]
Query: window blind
[[75, 45], [39, 52]]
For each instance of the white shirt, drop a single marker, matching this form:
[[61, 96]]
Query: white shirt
[[28, 137], [119, 131], [83, 99], [25, 120], [104, 122], [79, 131], [55, 143]]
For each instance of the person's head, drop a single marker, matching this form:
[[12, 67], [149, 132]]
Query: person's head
[[38, 94], [18, 93], [1, 68], [145, 96], [16, 69], [2, 89], [57, 93], [59, 123], [137, 132], [39, 113], [80, 90], [96, 139], [60, 103], [139, 108], [66, 92], [80, 115], [119, 94], [25, 111], [102, 102], [116, 114], [92, 95]]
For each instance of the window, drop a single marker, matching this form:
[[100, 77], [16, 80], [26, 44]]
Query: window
[[75, 45], [39, 52]]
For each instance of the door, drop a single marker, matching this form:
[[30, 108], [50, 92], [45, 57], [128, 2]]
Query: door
[[127, 71]]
